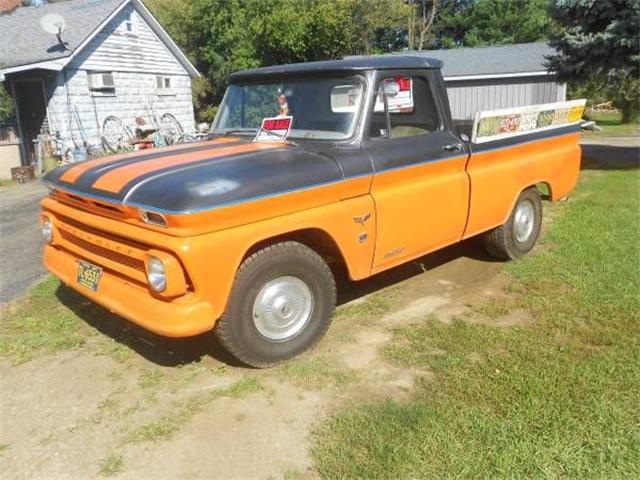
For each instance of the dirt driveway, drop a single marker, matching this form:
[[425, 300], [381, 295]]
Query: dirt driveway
[[139, 406], [124, 403]]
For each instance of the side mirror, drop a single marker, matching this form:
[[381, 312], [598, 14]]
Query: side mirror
[[390, 88], [464, 137]]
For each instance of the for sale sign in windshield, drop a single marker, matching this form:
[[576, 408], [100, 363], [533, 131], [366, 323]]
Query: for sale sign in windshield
[[274, 129]]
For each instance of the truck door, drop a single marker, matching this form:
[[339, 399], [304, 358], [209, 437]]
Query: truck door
[[420, 186]]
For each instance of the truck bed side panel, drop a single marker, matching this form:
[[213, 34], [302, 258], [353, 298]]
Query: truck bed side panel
[[499, 172]]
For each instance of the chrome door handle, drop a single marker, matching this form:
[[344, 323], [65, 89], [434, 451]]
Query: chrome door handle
[[454, 147]]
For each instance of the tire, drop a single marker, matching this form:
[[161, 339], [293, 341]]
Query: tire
[[271, 284], [115, 134], [518, 236], [171, 128]]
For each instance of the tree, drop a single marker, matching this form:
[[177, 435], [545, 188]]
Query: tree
[[599, 40], [222, 36], [420, 24], [473, 23], [493, 22], [6, 106]]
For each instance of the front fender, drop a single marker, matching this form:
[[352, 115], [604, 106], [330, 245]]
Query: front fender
[[212, 259]]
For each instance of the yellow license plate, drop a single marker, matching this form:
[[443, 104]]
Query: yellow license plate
[[89, 275]]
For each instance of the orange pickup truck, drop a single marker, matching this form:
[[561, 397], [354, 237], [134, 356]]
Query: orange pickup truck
[[350, 165]]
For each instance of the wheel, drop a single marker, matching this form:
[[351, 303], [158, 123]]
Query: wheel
[[116, 135], [519, 235], [280, 305], [170, 127]]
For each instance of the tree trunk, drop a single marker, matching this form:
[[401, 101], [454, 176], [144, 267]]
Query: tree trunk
[[629, 110]]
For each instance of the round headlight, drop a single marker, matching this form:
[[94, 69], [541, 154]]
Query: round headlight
[[156, 274], [47, 230]]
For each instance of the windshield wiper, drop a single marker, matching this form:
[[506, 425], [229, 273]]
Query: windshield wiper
[[224, 133], [279, 135]]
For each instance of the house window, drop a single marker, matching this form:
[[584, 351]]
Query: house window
[[164, 85], [101, 83], [128, 25]]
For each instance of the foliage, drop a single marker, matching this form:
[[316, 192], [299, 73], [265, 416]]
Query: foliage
[[222, 36], [555, 398], [6, 106], [600, 41], [473, 23]]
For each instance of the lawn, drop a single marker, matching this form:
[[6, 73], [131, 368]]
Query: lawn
[[611, 123], [6, 182], [557, 397]]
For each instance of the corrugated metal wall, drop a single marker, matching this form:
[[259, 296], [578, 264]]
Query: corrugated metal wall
[[467, 97]]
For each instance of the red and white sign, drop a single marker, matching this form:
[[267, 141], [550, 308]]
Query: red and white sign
[[274, 129]]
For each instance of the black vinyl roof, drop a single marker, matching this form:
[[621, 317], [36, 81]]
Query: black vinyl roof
[[354, 65]]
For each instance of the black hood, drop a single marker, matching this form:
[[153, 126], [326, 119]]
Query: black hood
[[212, 179]]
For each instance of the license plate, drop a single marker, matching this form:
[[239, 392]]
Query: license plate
[[89, 275]]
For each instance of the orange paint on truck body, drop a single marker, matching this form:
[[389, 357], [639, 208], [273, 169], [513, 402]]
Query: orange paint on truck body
[[498, 176], [401, 214]]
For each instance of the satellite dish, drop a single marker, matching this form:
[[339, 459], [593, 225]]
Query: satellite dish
[[54, 23]]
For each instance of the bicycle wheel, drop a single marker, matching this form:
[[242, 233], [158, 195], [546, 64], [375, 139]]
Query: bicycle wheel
[[171, 129], [116, 135]]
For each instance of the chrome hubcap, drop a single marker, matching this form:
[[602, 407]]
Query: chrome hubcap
[[282, 308], [524, 221]]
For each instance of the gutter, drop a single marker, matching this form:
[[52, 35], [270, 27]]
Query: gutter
[[498, 75]]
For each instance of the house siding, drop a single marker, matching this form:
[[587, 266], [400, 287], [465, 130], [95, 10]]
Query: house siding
[[466, 97], [134, 61]]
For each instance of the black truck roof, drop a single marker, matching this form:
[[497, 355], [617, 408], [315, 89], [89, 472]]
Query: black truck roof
[[347, 65]]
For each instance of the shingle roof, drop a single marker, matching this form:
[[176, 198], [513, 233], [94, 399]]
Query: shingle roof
[[23, 41], [457, 62], [494, 60]]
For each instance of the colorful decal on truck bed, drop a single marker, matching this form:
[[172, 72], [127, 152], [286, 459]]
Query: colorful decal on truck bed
[[510, 122]]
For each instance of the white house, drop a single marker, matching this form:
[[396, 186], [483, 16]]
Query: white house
[[112, 58]]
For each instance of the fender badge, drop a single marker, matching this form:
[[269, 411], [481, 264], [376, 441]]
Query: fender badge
[[363, 237], [362, 219]]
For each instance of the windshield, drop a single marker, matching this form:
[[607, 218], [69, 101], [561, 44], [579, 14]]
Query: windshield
[[323, 109]]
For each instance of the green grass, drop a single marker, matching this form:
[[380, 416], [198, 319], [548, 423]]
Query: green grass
[[111, 465], [558, 398], [314, 374], [151, 378], [7, 182], [41, 324], [181, 413], [611, 123], [612, 117]]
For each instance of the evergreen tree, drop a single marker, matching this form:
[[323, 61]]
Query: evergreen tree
[[599, 40]]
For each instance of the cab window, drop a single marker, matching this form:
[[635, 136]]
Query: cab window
[[411, 107]]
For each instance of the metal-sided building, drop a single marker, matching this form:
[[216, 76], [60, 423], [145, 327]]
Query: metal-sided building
[[489, 78], [112, 58]]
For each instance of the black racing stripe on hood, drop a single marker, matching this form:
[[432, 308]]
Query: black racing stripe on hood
[[54, 175], [219, 161], [89, 177], [208, 185]]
